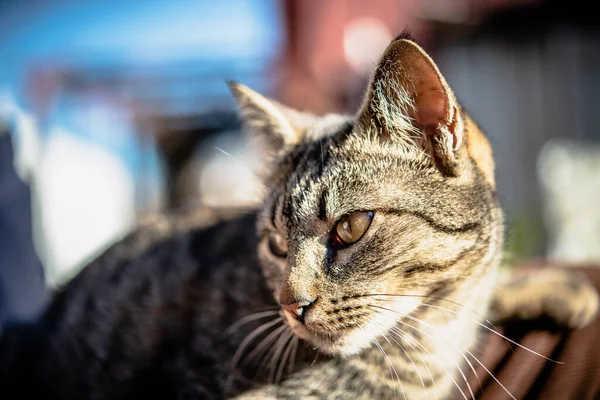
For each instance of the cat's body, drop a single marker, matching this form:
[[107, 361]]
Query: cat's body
[[152, 325], [378, 245], [151, 320]]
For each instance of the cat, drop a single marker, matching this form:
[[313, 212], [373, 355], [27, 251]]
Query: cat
[[370, 270]]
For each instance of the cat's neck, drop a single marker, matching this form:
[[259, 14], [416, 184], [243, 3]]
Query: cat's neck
[[432, 351]]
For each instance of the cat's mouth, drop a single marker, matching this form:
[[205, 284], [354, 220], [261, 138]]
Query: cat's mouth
[[335, 333], [347, 342], [327, 342]]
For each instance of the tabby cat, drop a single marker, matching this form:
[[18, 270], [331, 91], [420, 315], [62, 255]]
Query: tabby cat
[[369, 272]]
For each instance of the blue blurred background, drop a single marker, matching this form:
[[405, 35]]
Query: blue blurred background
[[112, 110]]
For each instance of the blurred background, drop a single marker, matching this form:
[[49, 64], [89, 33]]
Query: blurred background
[[113, 110]]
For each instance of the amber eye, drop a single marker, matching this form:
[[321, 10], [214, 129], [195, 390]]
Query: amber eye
[[352, 227], [277, 244]]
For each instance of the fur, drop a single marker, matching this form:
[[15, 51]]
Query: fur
[[197, 310]]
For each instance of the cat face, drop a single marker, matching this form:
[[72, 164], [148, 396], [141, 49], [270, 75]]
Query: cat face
[[370, 217]]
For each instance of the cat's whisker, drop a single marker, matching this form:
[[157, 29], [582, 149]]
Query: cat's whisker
[[463, 348], [264, 344], [242, 347], [390, 367], [475, 358], [294, 353], [271, 361], [409, 357], [441, 299], [274, 359], [250, 337], [429, 297], [288, 348], [247, 167], [314, 361], [495, 332], [387, 340], [398, 332], [240, 162], [249, 318], [471, 354], [462, 354], [433, 340], [266, 359], [489, 372], [465, 358]]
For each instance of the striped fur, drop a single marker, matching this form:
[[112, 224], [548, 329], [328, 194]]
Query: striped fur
[[398, 314], [192, 308], [435, 240]]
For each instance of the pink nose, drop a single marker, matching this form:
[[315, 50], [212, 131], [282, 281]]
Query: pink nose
[[297, 309]]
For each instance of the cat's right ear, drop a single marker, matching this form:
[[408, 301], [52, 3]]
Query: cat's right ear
[[410, 103], [274, 128]]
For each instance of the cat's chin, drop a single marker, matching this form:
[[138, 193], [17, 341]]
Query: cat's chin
[[340, 344]]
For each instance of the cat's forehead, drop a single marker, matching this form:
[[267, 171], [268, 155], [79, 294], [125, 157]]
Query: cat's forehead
[[335, 175], [341, 172]]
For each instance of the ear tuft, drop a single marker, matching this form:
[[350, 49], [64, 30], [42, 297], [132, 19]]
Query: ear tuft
[[404, 35]]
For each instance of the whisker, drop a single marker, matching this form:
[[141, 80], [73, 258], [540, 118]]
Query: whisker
[[489, 372], [390, 367], [440, 364], [316, 357], [261, 347], [250, 318], [464, 357], [411, 360], [242, 347], [471, 354], [279, 346], [251, 336], [446, 300], [464, 349], [293, 358], [399, 332], [433, 298], [496, 333], [500, 335], [458, 349], [241, 163], [284, 357]]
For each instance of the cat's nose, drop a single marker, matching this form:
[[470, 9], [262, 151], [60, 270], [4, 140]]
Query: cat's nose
[[298, 309]]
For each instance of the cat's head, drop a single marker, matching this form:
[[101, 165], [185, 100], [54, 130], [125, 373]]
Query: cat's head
[[366, 216]]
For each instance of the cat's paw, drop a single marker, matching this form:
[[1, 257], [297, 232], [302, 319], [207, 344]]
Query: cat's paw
[[566, 297]]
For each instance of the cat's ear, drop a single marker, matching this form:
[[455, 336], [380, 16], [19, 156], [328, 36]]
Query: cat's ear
[[273, 127], [410, 102]]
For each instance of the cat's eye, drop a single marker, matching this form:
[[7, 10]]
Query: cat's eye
[[277, 244], [350, 228]]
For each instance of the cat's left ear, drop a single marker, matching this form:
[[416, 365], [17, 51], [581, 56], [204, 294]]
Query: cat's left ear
[[409, 101], [273, 127]]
